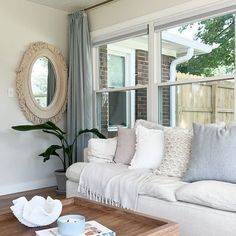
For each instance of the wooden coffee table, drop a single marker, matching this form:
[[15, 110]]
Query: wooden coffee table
[[123, 222]]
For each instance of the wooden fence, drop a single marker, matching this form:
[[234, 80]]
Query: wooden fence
[[204, 103]]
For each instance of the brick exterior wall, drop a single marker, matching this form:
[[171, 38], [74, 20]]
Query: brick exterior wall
[[141, 77], [103, 84], [165, 91]]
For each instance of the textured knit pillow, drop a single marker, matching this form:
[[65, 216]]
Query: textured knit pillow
[[149, 148], [213, 154], [126, 140], [177, 150]]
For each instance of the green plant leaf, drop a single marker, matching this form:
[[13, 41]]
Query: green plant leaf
[[54, 127], [46, 159], [32, 127], [94, 131], [51, 128], [60, 136], [51, 151]]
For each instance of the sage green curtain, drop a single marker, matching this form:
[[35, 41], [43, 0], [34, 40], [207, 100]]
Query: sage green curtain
[[79, 112]]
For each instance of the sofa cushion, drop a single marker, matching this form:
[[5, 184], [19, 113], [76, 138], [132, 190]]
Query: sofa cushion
[[102, 150], [177, 151], [126, 141], [215, 194], [148, 124], [149, 148], [73, 172], [162, 187], [213, 154]]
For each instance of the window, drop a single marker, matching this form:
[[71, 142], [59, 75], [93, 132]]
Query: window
[[123, 78], [202, 102], [175, 75], [198, 60], [120, 66], [116, 71], [117, 100]]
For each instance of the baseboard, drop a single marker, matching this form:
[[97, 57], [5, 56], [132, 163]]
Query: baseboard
[[43, 183]]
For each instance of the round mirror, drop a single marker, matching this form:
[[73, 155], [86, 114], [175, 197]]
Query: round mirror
[[43, 81]]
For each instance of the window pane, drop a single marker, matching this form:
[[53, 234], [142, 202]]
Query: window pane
[[116, 71], [117, 109], [120, 109], [124, 63], [205, 48], [209, 102]]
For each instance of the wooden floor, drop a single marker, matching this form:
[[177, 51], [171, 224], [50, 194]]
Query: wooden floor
[[6, 200]]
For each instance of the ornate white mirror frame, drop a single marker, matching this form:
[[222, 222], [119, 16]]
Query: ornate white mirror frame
[[32, 110]]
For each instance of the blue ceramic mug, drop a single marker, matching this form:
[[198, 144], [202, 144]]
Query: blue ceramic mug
[[71, 225]]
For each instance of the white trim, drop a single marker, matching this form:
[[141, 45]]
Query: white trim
[[30, 185], [199, 13], [166, 16], [109, 90], [157, 73], [194, 81], [150, 91], [129, 56], [116, 35], [161, 20], [95, 53], [178, 39]]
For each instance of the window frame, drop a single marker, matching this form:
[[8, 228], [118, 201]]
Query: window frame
[[129, 56], [154, 53], [158, 82]]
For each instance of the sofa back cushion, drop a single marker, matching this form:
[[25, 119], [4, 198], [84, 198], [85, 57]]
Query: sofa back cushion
[[102, 150], [177, 151], [213, 154], [126, 140], [149, 148]]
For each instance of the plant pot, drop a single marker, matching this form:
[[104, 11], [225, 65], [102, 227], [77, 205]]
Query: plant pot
[[61, 181]]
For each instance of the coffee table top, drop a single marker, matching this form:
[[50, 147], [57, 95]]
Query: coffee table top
[[123, 222]]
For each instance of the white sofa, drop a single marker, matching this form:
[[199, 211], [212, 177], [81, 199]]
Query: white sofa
[[194, 220], [203, 208]]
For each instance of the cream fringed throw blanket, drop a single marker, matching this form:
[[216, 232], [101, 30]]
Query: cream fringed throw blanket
[[114, 184]]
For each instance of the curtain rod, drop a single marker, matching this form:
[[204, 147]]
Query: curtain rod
[[97, 5]]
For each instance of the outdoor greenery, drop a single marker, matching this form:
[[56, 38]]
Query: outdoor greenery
[[218, 32], [65, 146]]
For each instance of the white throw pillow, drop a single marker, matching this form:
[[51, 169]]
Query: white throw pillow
[[177, 151], [215, 194], [149, 148], [147, 124], [102, 150]]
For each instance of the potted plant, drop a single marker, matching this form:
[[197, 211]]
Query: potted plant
[[65, 147]]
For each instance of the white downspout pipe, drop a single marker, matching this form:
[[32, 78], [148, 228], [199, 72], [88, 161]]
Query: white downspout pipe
[[173, 65]]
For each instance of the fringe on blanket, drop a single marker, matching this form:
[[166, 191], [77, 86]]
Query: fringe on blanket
[[97, 197]]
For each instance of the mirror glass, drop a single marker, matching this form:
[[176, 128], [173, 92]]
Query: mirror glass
[[43, 81]]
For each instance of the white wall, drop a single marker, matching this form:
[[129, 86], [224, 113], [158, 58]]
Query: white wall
[[21, 23], [120, 11]]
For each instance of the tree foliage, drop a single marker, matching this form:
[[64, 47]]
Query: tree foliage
[[219, 33]]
